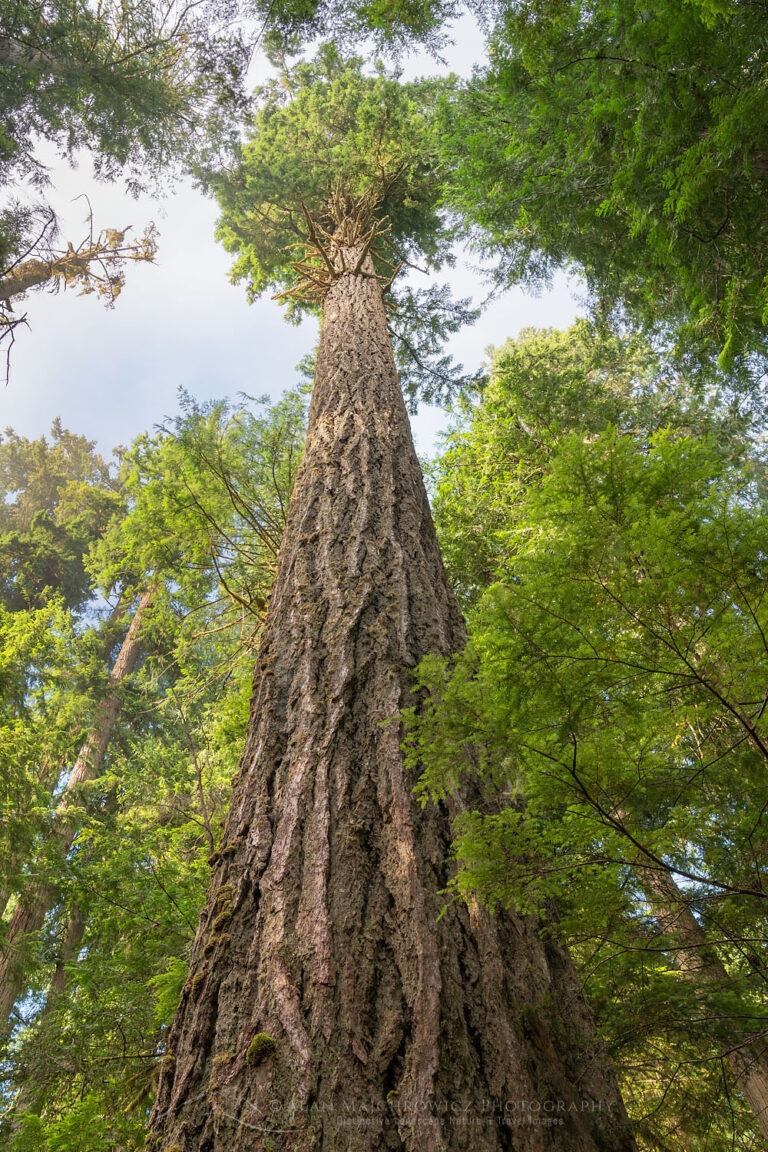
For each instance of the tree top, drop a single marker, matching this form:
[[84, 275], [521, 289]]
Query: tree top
[[328, 134], [323, 131]]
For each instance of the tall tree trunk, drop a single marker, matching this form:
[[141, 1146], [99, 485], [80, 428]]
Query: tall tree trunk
[[34, 903], [698, 962], [329, 1005]]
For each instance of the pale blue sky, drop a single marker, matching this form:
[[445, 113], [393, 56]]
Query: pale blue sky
[[180, 323]]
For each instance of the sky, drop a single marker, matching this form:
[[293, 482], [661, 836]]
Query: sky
[[180, 324]]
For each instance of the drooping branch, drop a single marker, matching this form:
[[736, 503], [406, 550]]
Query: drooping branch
[[96, 265]]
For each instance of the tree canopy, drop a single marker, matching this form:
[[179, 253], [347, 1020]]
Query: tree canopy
[[628, 142], [611, 535], [328, 129], [134, 85]]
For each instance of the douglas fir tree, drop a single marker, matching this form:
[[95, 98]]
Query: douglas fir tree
[[334, 1002]]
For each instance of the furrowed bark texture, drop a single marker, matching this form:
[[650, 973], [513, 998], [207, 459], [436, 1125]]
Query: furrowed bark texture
[[699, 963], [328, 1007], [30, 912]]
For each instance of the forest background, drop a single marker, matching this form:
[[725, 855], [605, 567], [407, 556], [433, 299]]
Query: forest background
[[600, 504], [206, 341]]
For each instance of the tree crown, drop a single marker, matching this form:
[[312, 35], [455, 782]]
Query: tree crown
[[323, 127], [326, 134], [630, 142]]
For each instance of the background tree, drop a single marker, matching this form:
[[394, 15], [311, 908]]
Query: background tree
[[36, 896], [628, 143], [103, 972], [544, 386], [58, 498], [42, 654], [612, 693]]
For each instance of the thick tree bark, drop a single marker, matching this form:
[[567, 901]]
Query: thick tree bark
[[698, 962], [329, 1005], [34, 903]]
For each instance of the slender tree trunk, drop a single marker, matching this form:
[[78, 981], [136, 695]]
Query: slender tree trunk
[[35, 901], [329, 1005], [32, 1091], [698, 962], [49, 773], [70, 947]]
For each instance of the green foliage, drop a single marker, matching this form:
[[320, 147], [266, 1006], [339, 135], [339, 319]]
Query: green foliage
[[628, 141], [201, 516], [153, 85], [208, 497], [543, 386], [41, 705], [420, 321], [610, 700], [136, 85], [57, 498], [167, 987], [395, 26], [81, 1129], [327, 121], [329, 124]]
